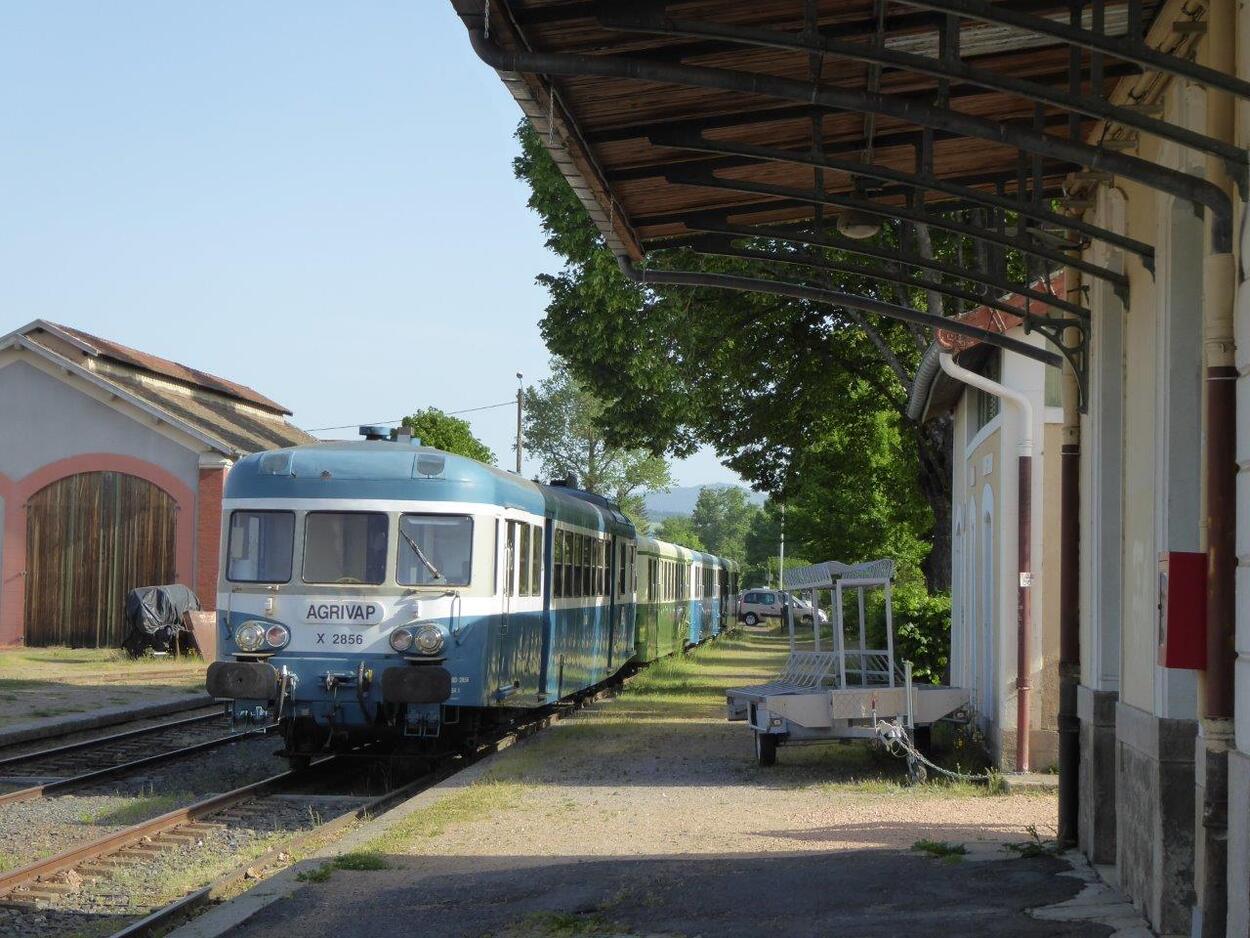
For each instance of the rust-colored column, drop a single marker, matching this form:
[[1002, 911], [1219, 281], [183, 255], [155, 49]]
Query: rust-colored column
[[1024, 610]]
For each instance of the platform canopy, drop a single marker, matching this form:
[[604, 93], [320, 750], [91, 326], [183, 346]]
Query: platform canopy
[[786, 131]]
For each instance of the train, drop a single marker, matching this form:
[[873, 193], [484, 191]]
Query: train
[[379, 592]]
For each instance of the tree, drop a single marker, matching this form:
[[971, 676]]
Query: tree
[[562, 420], [787, 391], [450, 434], [721, 518], [679, 529]]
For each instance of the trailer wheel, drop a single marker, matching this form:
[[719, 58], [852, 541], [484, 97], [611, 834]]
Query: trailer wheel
[[766, 749], [751, 619]]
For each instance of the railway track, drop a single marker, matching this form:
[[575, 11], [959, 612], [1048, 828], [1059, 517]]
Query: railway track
[[63, 768], [88, 888]]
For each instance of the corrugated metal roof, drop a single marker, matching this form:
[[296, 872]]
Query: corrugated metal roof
[[240, 418], [163, 366]]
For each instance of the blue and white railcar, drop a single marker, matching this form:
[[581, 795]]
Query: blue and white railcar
[[378, 589]]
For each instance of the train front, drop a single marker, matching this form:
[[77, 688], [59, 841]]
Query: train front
[[349, 583]]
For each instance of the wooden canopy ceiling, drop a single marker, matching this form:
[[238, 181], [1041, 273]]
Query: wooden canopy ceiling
[[680, 120]]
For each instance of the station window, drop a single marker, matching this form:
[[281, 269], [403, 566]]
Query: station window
[[261, 546]]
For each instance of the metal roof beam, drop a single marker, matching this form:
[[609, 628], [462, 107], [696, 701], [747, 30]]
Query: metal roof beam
[[721, 246], [863, 304], [948, 67], [1130, 48], [922, 181], [1026, 139], [712, 225], [1117, 279]]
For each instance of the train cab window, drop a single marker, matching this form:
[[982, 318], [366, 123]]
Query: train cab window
[[345, 547], [261, 546], [435, 550]]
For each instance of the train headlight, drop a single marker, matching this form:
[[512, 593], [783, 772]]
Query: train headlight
[[250, 636], [428, 638], [276, 636], [401, 640]]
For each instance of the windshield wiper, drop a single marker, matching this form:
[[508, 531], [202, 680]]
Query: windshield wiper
[[421, 555]]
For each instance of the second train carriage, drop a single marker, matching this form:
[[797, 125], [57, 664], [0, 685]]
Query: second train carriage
[[385, 590]]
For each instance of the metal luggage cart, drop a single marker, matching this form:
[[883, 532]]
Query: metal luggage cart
[[840, 692]]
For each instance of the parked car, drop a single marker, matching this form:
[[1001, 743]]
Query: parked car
[[758, 604]]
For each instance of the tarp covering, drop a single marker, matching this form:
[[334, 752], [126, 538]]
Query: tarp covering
[[154, 617]]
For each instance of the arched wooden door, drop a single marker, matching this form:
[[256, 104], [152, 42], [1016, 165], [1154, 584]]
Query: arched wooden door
[[90, 538]]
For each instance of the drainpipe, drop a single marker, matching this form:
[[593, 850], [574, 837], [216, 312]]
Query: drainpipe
[[1024, 497], [1069, 722]]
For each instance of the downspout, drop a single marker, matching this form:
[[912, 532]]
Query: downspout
[[1069, 722], [1024, 498]]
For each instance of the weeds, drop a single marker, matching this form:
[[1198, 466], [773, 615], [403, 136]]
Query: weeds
[[941, 849], [1035, 846], [473, 803], [319, 875], [357, 860], [561, 925]]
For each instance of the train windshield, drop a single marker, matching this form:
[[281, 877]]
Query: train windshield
[[344, 547], [435, 550], [261, 544]]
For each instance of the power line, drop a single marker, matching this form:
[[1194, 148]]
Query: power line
[[449, 413]]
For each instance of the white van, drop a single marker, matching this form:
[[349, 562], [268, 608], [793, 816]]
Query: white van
[[766, 604]]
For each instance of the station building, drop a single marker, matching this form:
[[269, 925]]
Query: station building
[[112, 463], [985, 527]]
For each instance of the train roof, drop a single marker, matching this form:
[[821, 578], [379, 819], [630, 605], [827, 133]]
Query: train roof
[[381, 469]]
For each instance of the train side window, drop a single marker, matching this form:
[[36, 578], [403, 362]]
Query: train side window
[[600, 567], [261, 546], [557, 563], [509, 562], [570, 564], [536, 564], [523, 560], [621, 560], [587, 586]]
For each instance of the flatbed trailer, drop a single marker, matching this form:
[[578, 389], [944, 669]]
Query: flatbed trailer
[[841, 692]]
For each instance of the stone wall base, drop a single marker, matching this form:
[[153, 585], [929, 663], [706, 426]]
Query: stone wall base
[[1238, 843], [1096, 779], [1154, 794]]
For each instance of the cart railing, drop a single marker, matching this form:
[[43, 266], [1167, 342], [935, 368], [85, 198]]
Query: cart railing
[[870, 667]]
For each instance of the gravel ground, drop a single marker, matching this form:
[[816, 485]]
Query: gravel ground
[[648, 816], [32, 830], [35, 745]]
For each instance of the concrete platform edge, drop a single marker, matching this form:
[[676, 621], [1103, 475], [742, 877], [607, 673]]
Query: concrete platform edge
[[96, 719]]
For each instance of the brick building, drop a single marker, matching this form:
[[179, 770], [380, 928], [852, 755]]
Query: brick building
[[112, 463]]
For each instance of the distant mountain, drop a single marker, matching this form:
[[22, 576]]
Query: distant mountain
[[680, 499]]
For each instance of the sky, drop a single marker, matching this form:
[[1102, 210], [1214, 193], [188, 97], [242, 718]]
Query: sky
[[312, 198]]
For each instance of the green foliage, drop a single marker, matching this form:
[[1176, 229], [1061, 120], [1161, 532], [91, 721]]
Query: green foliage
[[943, 849], [562, 427], [721, 518], [450, 434], [681, 530], [922, 629]]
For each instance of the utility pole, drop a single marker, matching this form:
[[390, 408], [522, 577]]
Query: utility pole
[[781, 563], [520, 396]]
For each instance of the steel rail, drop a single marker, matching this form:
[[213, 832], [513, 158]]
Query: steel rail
[[1058, 258], [863, 249], [101, 741], [1179, 184], [35, 792], [753, 153], [944, 67], [119, 840]]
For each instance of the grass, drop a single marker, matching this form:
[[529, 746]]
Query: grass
[[359, 860], [561, 925], [941, 849], [139, 809], [473, 803]]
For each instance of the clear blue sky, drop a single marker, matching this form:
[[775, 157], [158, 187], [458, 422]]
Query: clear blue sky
[[312, 198]]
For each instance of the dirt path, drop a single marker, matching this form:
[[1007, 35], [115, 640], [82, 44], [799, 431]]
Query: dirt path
[[648, 815]]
